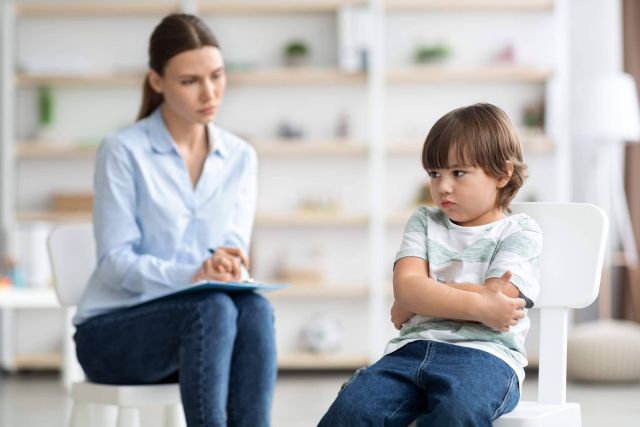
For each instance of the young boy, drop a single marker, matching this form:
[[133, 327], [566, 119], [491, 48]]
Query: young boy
[[463, 278]]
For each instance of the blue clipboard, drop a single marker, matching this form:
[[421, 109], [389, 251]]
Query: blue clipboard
[[234, 286]]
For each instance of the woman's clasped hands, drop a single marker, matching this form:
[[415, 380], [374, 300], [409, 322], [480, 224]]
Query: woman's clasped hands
[[224, 264]]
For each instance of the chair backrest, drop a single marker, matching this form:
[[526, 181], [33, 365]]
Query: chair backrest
[[73, 257], [575, 237]]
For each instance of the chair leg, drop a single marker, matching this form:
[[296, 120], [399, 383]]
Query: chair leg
[[128, 417], [80, 414], [174, 416]]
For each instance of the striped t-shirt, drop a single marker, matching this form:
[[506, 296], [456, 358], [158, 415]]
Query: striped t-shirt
[[458, 254]]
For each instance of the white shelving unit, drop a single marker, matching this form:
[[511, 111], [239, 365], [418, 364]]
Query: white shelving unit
[[390, 108]]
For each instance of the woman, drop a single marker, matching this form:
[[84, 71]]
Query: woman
[[168, 189]]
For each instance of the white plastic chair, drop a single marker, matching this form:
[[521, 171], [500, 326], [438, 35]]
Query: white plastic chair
[[574, 246], [72, 255]]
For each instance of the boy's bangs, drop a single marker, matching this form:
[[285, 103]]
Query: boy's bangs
[[436, 155]]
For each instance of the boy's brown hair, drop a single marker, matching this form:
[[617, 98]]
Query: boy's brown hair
[[483, 136]]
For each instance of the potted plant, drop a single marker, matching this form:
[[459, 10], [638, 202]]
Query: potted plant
[[296, 53]]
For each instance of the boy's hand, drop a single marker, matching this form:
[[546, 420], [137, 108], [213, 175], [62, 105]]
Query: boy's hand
[[399, 315], [497, 310]]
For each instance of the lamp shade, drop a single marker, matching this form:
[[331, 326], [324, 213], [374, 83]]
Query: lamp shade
[[606, 108]]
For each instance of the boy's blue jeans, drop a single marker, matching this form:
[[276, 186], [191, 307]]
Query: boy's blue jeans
[[219, 346], [435, 384]]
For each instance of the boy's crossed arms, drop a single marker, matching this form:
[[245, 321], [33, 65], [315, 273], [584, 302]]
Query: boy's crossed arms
[[495, 303]]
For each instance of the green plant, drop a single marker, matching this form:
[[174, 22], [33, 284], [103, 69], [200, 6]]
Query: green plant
[[296, 49], [431, 53], [45, 105]]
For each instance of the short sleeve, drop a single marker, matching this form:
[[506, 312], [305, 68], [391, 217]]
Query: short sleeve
[[520, 253], [414, 238]]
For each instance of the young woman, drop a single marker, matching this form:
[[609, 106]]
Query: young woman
[[167, 189]]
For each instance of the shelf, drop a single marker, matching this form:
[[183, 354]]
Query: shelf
[[276, 147], [38, 361], [28, 298], [95, 9], [302, 361], [275, 6], [485, 74], [311, 220], [77, 79], [298, 76], [534, 141], [52, 150], [468, 5], [327, 291], [273, 76], [302, 147], [52, 216]]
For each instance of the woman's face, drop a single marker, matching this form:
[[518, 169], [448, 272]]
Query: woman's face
[[192, 85]]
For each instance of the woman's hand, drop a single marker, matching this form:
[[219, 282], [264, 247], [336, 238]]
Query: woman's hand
[[497, 310], [223, 265], [399, 315]]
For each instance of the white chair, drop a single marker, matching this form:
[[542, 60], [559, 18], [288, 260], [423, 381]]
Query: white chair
[[72, 255], [574, 246]]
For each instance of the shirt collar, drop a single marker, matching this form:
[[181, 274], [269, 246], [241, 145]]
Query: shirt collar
[[162, 142]]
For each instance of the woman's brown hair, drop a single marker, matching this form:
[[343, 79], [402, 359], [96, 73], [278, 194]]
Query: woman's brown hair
[[175, 34], [483, 136]]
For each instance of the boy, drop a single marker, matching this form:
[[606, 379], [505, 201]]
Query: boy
[[463, 278]]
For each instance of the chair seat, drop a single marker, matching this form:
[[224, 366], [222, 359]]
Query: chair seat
[[126, 395], [535, 414]]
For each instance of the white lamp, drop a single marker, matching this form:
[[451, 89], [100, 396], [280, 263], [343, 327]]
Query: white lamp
[[607, 113]]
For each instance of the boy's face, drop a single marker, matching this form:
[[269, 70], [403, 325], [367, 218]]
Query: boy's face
[[466, 194]]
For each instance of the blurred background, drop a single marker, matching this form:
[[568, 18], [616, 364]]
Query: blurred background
[[337, 98]]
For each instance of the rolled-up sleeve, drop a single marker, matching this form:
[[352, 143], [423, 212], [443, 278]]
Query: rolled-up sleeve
[[118, 235]]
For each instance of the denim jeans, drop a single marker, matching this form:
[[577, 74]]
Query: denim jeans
[[219, 346], [435, 384]]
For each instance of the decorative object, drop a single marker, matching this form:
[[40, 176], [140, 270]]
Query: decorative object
[[45, 112], [319, 204], [606, 350], [533, 115], [506, 55], [289, 130], [429, 54], [343, 126], [296, 53], [322, 334]]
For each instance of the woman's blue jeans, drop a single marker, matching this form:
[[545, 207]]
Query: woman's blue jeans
[[219, 346], [435, 384]]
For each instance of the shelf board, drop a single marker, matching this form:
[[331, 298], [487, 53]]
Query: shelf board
[[95, 8], [271, 76], [311, 220], [77, 79], [28, 298], [52, 150], [485, 74], [312, 361], [275, 6], [280, 148], [322, 291], [53, 216], [468, 5], [289, 76], [301, 147], [534, 141]]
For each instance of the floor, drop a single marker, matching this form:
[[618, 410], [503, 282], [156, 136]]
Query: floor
[[37, 399]]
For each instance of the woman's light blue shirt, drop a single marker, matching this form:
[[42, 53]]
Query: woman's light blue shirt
[[152, 227]]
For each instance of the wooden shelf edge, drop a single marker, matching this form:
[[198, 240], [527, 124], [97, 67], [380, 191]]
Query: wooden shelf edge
[[319, 361], [95, 9], [469, 5], [38, 361], [484, 74], [275, 6]]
